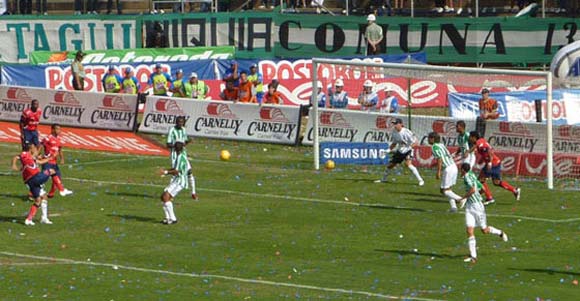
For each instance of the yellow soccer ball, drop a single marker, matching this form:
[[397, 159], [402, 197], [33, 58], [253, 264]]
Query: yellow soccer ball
[[225, 155], [329, 164]]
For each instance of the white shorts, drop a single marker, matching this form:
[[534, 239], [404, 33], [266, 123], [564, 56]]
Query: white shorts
[[449, 176], [174, 188], [475, 216], [470, 160]]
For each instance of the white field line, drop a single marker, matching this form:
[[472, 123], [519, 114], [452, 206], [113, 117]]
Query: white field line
[[314, 200], [215, 276], [111, 161], [31, 263]]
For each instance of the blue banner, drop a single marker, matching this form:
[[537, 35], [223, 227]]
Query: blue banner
[[354, 153], [519, 106]]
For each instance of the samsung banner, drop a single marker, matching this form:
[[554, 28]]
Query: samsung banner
[[354, 153], [224, 120], [71, 108], [519, 106]]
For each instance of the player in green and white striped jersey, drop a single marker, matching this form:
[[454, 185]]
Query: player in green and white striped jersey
[[446, 169], [180, 171], [475, 212], [463, 142], [178, 133]]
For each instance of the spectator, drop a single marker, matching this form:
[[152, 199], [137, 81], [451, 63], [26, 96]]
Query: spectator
[[112, 81], [93, 7], [487, 106], [156, 37], [160, 81], [78, 72], [338, 99], [130, 84], [367, 98], [373, 35], [110, 7], [439, 6], [390, 104], [195, 88], [232, 73], [177, 83], [79, 7], [320, 96], [42, 7], [245, 87], [273, 96], [230, 93], [319, 4], [256, 79], [25, 7]]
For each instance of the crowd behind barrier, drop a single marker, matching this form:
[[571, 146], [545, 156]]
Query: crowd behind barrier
[[361, 7]]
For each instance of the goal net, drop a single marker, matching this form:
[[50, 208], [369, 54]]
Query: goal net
[[434, 98]]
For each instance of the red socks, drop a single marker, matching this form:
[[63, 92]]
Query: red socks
[[505, 185], [487, 192], [32, 212]]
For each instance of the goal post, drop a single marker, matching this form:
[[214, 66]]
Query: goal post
[[419, 79]]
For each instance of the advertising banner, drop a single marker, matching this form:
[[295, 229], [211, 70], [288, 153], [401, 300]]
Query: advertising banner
[[519, 106], [133, 56], [71, 108], [354, 153], [223, 120], [22, 35]]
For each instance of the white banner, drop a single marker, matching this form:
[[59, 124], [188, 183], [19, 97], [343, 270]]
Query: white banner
[[224, 120], [357, 126], [22, 36], [71, 108]]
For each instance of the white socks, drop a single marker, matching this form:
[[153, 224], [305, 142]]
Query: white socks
[[452, 197], [415, 172], [472, 247], [494, 231], [168, 208], [44, 209], [192, 183]]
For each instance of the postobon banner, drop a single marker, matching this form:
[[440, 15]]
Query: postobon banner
[[226, 120], [71, 108]]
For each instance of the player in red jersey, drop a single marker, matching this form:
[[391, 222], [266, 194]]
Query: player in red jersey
[[29, 126], [491, 169], [35, 180], [53, 150]]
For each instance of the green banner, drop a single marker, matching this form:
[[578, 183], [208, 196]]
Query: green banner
[[129, 56], [258, 35]]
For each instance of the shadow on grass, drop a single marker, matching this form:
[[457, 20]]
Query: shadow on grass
[[17, 197], [377, 184], [10, 219], [547, 271], [130, 217], [407, 252], [133, 195], [387, 207]]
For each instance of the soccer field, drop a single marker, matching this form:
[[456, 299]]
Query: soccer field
[[269, 227]]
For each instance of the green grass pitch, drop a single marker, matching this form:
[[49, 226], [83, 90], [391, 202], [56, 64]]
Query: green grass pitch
[[269, 227]]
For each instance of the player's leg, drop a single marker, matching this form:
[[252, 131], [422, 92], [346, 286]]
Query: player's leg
[[414, 170], [497, 181], [44, 210], [388, 169], [57, 180], [448, 179], [170, 192], [35, 187], [192, 183], [483, 175], [485, 229], [35, 142], [471, 243]]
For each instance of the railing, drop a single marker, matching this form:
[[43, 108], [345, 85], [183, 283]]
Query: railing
[[213, 3]]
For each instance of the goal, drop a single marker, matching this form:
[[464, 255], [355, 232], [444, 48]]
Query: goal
[[434, 98]]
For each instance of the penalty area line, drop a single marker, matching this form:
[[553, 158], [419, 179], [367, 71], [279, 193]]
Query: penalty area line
[[215, 276], [314, 200]]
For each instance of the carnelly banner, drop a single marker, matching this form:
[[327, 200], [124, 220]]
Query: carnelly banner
[[268, 35], [224, 120], [71, 108]]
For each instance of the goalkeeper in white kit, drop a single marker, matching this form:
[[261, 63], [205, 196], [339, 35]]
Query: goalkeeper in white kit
[[402, 144]]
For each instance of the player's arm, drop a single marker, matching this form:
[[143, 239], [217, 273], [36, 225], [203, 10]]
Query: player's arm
[[171, 171], [43, 160], [439, 166], [14, 163], [490, 156], [494, 114], [60, 155], [22, 123]]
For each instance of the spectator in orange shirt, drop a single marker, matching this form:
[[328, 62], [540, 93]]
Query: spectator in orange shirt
[[487, 106], [273, 96], [230, 93], [246, 87]]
